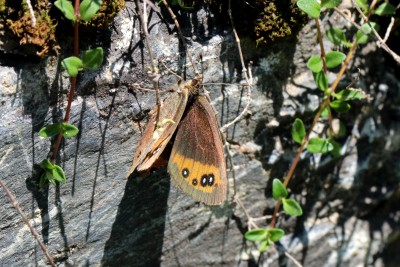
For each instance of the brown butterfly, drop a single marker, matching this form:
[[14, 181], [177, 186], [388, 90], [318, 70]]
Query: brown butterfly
[[197, 162]]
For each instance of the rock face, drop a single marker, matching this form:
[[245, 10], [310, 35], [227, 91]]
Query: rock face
[[98, 218]]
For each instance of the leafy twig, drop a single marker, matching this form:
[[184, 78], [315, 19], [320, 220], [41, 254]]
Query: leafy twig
[[73, 83], [316, 118]]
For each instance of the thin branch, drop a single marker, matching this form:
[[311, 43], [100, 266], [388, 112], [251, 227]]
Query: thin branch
[[226, 147], [26, 221], [340, 12], [388, 30], [321, 44], [381, 42], [225, 84], [28, 3], [146, 34], [298, 264], [250, 219], [181, 36], [154, 75], [249, 81]]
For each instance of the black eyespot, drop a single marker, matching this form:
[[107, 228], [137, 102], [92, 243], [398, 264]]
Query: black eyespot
[[185, 173], [211, 179], [194, 182], [204, 180]]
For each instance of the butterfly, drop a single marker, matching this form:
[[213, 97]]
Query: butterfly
[[197, 161]]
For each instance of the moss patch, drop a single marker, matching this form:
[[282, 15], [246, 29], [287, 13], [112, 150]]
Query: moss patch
[[16, 19], [279, 19], [42, 36], [107, 12], [265, 20]]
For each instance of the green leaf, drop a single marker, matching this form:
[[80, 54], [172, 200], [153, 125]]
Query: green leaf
[[336, 36], [278, 190], [362, 4], [337, 148], [89, 8], [47, 177], [334, 59], [181, 4], [340, 106], [351, 94], [73, 65], [69, 130], [93, 58], [319, 145], [330, 3], [291, 207], [361, 37], [326, 112], [310, 7], [275, 234], [43, 180], [298, 131], [321, 80], [58, 174], [52, 173], [315, 63], [46, 165], [264, 244], [385, 9], [66, 8], [50, 130], [50, 178], [256, 234]]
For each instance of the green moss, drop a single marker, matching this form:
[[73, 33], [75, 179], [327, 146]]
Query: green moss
[[265, 20], [107, 12], [41, 39], [42, 36], [279, 19], [2, 5]]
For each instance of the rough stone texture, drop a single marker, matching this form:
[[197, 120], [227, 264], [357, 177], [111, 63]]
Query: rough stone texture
[[351, 204]]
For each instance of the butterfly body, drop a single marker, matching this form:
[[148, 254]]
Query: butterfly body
[[197, 162]]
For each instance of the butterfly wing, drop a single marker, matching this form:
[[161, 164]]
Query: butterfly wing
[[156, 137], [197, 162]]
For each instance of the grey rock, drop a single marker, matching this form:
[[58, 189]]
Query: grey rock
[[98, 218]]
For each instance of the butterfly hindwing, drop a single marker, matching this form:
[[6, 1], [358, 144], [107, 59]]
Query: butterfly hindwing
[[197, 162]]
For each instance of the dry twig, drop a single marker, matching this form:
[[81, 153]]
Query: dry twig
[[181, 36], [28, 3], [249, 81], [26, 221], [381, 42]]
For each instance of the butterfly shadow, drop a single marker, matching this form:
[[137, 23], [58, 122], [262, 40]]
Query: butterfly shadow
[[137, 233]]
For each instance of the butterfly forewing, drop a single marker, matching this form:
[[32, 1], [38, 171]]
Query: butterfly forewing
[[153, 144], [197, 162]]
